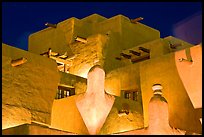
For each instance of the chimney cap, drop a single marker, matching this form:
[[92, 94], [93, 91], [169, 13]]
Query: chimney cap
[[157, 87]]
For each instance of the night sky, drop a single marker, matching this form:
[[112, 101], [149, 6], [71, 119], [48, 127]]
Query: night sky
[[20, 19]]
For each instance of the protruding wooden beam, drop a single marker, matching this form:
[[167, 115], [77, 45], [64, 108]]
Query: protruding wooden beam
[[135, 52], [65, 68], [140, 58], [118, 58], [60, 67], [80, 39], [125, 55], [18, 62], [47, 53], [63, 56], [136, 20], [62, 61], [182, 59], [54, 54], [144, 49], [51, 25], [72, 57]]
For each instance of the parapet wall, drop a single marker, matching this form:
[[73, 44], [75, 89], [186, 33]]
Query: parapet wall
[[119, 32], [28, 90]]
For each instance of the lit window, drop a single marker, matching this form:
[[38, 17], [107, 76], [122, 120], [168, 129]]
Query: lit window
[[63, 92], [67, 93], [130, 94]]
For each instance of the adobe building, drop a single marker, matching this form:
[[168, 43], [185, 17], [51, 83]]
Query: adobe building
[[102, 76]]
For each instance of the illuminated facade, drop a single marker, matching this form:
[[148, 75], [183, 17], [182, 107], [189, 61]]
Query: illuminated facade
[[96, 75]]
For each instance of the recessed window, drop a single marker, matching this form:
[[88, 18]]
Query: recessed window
[[130, 94], [63, 92]]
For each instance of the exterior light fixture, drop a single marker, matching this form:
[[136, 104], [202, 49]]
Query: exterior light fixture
[[182, 59], [124, 111]]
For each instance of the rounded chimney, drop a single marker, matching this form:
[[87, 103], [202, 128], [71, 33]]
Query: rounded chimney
[[158, 112]]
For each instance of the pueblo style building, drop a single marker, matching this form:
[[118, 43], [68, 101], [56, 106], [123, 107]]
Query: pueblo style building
[[102, 76]]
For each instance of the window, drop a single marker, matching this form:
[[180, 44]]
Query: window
[[63, 92], [130, 94], [127, 95]]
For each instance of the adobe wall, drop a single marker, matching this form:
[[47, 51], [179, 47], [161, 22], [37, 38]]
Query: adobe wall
[[64, 120], [163, 70], [106, 38], [28, 90], [191, 73], [34, 129]]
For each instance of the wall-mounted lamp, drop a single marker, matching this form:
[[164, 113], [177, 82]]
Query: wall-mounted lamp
[[125, 110], [182, 59]]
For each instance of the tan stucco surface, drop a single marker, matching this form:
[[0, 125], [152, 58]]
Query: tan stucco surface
[[191, 73], [66, 117], [28, 90], [34, 129], [87, 54], [49, 38], [106, 38], [115, 123], [163, 71], [73, 81], [124, 78]]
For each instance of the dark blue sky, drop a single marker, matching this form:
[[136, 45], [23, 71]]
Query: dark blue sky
[[20, 19]]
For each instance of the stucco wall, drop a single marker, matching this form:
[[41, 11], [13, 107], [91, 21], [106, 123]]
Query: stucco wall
[[106, 38], [115, 123], [191, 73], [124, 78], [28, 90], [33, 129], [122, 35], [87, 54], [162, 68], [163, 71], [53, 38], [66, 117], [70, 120], [74, 81]]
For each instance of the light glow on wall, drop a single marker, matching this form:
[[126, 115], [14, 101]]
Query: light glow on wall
[[11, 124], [82, 72], [201, 120]]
